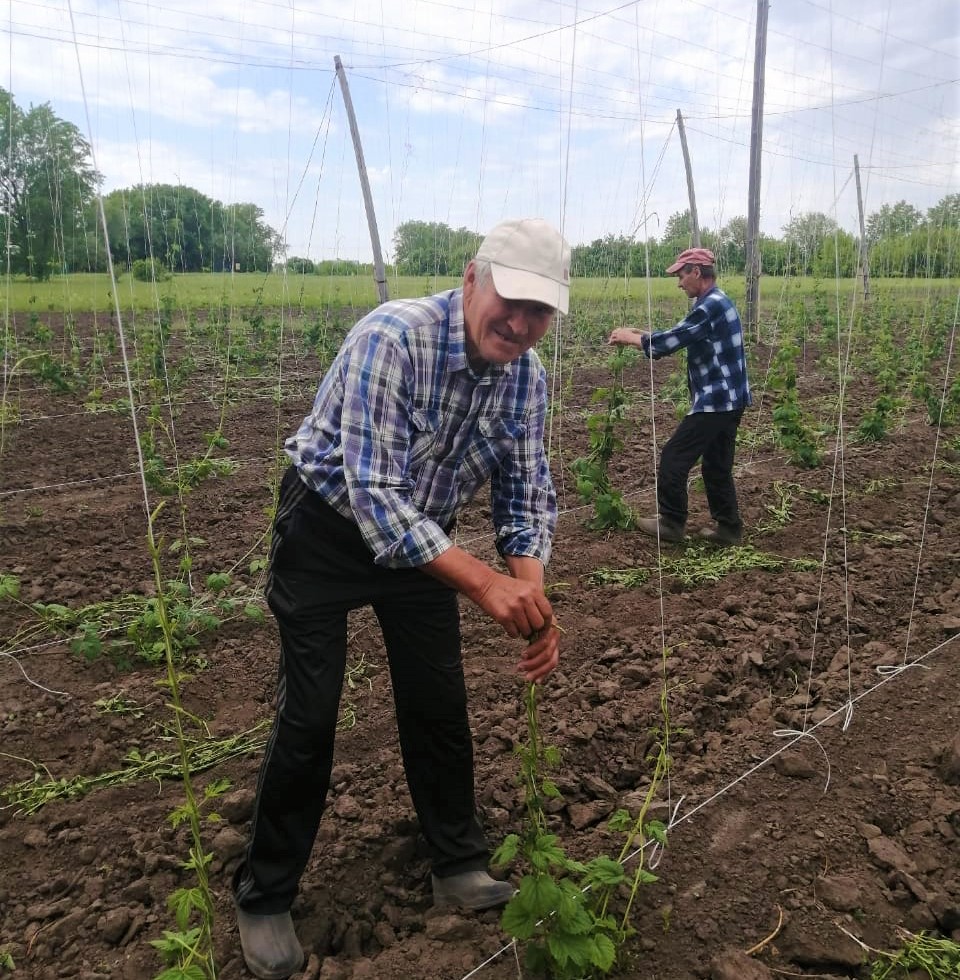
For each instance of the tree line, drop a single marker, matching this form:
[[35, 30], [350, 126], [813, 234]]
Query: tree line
[[901, 241], [48, 200]]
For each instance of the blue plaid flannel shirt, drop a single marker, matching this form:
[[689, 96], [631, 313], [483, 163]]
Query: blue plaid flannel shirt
[[716, 360], [403, 434]]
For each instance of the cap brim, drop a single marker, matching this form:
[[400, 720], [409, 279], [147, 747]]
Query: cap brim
[[676, 267], [516, 284]]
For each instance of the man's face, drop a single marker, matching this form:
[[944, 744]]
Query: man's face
[[689, 280], [500, 330]]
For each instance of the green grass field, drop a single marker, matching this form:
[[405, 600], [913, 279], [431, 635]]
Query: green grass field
[[89, 293]]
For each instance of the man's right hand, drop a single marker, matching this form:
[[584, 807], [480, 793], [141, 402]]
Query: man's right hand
[[519, 606]]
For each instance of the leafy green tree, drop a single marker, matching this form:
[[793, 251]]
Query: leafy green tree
[[945, 213], [892, 219], [46, 185], [930, 251], [187, 231], [610, 256], [432, 248], [805, 235], [300, 266], [679, 230], [837, 256], [731, 248]]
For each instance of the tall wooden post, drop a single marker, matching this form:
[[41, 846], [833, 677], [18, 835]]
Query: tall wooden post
[[379, 274], [863, 257], [694, 221], [756, 147]]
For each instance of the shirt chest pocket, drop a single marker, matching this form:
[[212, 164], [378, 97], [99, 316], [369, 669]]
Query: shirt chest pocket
[[493, 441], [425, 428]]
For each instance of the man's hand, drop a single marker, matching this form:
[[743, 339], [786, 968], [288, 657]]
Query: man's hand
[[542, 654], [628, 335], [519, 606], [516, 601]]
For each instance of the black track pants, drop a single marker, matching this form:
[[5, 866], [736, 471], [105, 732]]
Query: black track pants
[[319, 570], [712, 437]]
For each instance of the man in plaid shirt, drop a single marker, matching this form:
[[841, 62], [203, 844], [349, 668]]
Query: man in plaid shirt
[[712, 336], [426, 402]]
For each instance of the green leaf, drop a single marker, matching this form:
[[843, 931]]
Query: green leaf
[[217, 788], [218, 581], [183, 902], [657, 831], [506, 853], [549, 789], [620, 822], [253, 612], [192, 972], [546, 853], [519, 918], [566, 948], [604, 952], [605, 871], [9, 586], [541, 892]]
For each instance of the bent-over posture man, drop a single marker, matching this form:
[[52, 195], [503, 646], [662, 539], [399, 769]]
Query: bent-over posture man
[[712, 335], [426, 402]]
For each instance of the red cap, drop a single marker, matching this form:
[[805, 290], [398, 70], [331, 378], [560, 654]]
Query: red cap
[[692, 256]]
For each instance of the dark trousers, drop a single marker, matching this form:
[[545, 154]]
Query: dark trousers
[[711, 437], [319, 570]]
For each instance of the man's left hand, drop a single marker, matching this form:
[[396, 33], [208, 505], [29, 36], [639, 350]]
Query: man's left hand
[[541, 655]]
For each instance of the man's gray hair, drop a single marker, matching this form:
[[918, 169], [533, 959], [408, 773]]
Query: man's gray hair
[[482, 271]]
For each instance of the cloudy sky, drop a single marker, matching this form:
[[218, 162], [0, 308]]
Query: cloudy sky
[[471, 111]]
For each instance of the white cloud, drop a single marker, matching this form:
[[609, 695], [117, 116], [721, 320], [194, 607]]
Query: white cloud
[[472, 111]]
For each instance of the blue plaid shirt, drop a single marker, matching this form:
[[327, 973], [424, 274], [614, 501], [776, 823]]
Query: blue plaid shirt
[[403, 434], [716, 361]]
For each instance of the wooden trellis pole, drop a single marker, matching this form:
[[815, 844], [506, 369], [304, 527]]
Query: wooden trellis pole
[[863, 258], [756, 145], [694, 221], [379, 273]]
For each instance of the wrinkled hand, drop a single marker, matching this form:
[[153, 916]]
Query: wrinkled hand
[[542, 654], [524, 612], [627, 335]]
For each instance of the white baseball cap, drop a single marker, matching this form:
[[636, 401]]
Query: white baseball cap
[[529, 259]]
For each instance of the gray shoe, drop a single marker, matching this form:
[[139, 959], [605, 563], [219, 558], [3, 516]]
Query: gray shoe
[[270, 946], [474, 890], [723, 534], [658, 527]]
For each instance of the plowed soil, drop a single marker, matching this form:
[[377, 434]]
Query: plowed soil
[[814, 791]]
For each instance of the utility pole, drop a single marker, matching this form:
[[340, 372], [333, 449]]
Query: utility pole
[[694, 222], [863, 259], [379, 273], [756, 147]]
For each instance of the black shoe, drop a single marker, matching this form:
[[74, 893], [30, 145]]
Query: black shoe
[[474, 890], [723, 534], [270, 946], [660, 528]]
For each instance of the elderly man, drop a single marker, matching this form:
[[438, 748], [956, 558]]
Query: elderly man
[[712, 335], [426, 402]]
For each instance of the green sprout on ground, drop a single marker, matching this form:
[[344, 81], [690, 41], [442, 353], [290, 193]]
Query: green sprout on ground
[[202, 753], [781, 513], [563, 908], [592, 470], [921, 955], [129, 626], [701, 563], [565, 938]]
